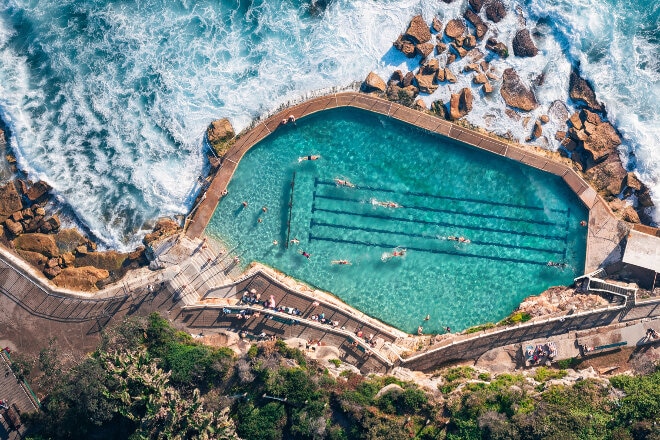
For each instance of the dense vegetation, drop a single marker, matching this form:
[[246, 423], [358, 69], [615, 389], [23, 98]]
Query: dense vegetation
[[147, 380]]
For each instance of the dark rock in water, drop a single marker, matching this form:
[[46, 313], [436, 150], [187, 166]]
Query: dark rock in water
[[438, 107], [440, 48], [317, 7], [476, 5], [515, 93], [374, 83], [480, 27], [460, 51], [451, 57], [437, 24], [523, 46], [581, 90], [397, 77], [38, 190], [219, 134], [537, 132], [497, 47], [407, 79], [460, 104], [69, 239], [495, 10], [418, 31], [470, 42], [424, 49], [10, 200], [644, 197], [455, 28], [633, 182]]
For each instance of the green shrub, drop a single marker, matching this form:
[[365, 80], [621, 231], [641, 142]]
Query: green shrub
[[544, 374], [479, 328], [484, 376], [335, 362], [568, 363], [464, 372]]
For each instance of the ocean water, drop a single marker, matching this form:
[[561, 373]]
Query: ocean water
[[108, 101], [517, 220]]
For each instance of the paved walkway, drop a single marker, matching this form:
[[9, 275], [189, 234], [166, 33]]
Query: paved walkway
[[16, 394]]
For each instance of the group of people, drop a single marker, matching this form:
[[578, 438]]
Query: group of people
[[652, 334]]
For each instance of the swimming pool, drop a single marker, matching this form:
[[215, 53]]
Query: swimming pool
[[516, 218]]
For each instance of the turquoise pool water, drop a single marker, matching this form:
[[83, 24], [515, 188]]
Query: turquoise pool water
[[516, 218]]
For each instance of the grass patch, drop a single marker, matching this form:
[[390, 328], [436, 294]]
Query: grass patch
[[478, 328], [544, 374]]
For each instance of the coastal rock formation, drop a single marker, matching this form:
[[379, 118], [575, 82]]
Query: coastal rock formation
[[515, 93], [580, 90], [405, 46], [426, 83], [460, 104], [80, 278], [476, 5], [424, 49], [374, 83], [559, 300], [495, 10], [438, 107], [165, 227], [430, 67], [479, 26], [219, 134], [497, 47], [608, 178], [455, 28], [10, 200], [40, 243], [37, 191], [109, 260], [436, 24], [523, 46], [418, 31]]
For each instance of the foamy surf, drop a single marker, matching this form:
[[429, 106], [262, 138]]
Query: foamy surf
[[109, 104]]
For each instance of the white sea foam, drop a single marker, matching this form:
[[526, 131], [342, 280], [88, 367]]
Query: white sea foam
[[109, 103]]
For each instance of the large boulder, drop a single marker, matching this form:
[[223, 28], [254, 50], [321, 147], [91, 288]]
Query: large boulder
[[374, 83], [164, 228], [13, 227], [80, 278], [580, 90], [418, 31], [436, 24], [602, 142], [608, 177], [41, 243], [515, 93], [219, 134], [430, 67], [10, 200], [480, 27], [38, 190], [403, 95], [69, 239], [476, 5], [109, 260], [495, 10], [405, 46], [424, 49], [460, 104], [523, 46], [498, 47], [426, 83], [455, 28]]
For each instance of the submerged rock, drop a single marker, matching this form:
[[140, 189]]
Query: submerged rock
[[523, 46], [219, 135], [515, 93]]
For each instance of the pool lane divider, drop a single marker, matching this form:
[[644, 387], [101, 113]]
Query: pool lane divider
[[433, 251], [426, 222], [314, 223], [288, 222], [446, 211], [318, 181]]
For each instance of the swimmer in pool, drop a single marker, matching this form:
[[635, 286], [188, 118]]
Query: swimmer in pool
[[310, 157], [341, 262], [341, 182]]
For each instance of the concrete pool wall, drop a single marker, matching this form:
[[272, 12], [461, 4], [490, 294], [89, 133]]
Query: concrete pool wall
[[604, 230]]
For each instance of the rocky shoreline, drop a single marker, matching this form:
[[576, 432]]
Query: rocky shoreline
[[587, 138]]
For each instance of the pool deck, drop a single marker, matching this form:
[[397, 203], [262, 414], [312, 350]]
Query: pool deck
[[604, 230]]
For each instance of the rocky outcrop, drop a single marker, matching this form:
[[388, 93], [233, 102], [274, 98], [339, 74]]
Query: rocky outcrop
[[601, 141], [480, 28], [220, 134], [426, 83], [495, 10], [476, 5], [460, 104], [374, 83], [405, 46], [560, 300], [418, 31], [523, 46], [438, 107], [40, 243], [455, 28], [109, 260], [80, 278], [424, 49], [515, 93], [498, 47], [608, 177], [165, 227], [37, 191], [10, 200], [580, 90], [436, 24]]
